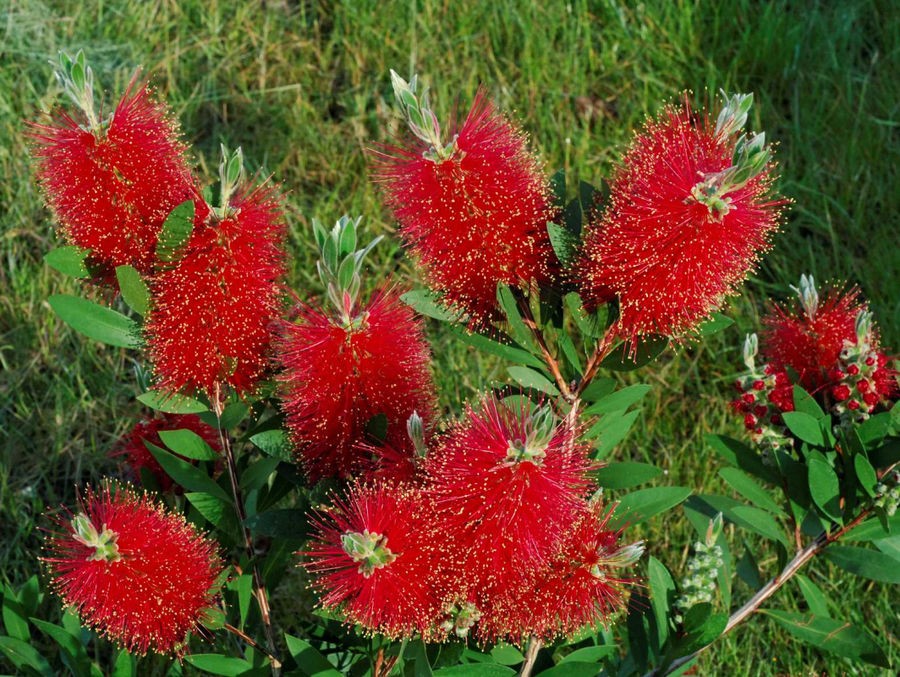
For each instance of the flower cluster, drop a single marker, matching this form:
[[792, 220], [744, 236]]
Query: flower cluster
[[137, 573], [830, 347], [688, 215], [498, 512]]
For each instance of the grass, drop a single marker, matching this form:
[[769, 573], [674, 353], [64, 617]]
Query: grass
[[303, 88]]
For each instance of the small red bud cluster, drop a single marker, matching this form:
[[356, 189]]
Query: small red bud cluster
[[862, 381], [764, 397]]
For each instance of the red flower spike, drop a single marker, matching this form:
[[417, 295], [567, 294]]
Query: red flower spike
[[582, 586], [212, 316], [112, 188], [476, 218], [667, 249], [137, 456], [372, 560], [338, 378], [506, 485], [133, 571]]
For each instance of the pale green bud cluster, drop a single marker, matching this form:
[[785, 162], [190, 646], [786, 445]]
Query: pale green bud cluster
[[808, 295], [77, 80], [460, 619], [415, 428], [340, 263], [420, 118], [540, 429], [887, 493], [699, 586], [368, 549], [103, 542], [749, 159]]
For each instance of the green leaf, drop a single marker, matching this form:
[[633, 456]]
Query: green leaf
[[507, 352], [567, 349], [14, 617], [275, 443], [648, 349], [70, 645], [22, 655], [866, 474], [741, 456], [426, 303], [611, 430], [588, 323], [758, 521], [133, 289], [750, 490], [558, 186], [125, 665], [189, 444], [620, 400], [171, 403], [244, 586], [216, 664], [95, 321], [815, 598], [805, 427], [475, 670], [517, 327], [839, 637], [825, 488], [69, 261], [714, 325], [564, 244], [641, 505], [506, 654], [806, 404], [255, 476], [590, 654], [529, 378], [571, 669], [214, 509], [865, 562], [598, 389], [872, 529], [625, 475], [287, 523], [175, 232], [186, 474], [662, 587], [309, 660]]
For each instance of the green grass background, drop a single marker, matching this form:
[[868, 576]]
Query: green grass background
[[303, 88]]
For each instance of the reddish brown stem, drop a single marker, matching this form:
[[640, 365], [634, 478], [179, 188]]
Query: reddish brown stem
[[549, 360], [262, 598], [251, 642]]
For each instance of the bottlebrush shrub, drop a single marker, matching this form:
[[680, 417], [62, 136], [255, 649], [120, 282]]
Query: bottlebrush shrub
[[134, 571], [433, 541], [690, 211]]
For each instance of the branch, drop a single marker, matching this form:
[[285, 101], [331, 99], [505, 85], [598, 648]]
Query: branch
[[551, 362], [769, 589], [262, 597]]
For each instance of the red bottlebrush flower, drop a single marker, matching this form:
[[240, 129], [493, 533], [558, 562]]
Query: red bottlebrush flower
[[135, 572], [337, 378], [476, 218], [372, 560], [668, 245], [808, 336], [212, 315], [582, 585], [112, 188], [506, 484], [138, 457]]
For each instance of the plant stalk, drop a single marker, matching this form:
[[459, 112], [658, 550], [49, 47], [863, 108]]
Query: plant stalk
[[262, 597]]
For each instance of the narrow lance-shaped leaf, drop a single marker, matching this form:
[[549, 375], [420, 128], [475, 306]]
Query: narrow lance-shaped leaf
[[96, 322]]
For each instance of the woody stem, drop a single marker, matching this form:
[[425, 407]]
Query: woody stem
[[551, 362], [262, 597]]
